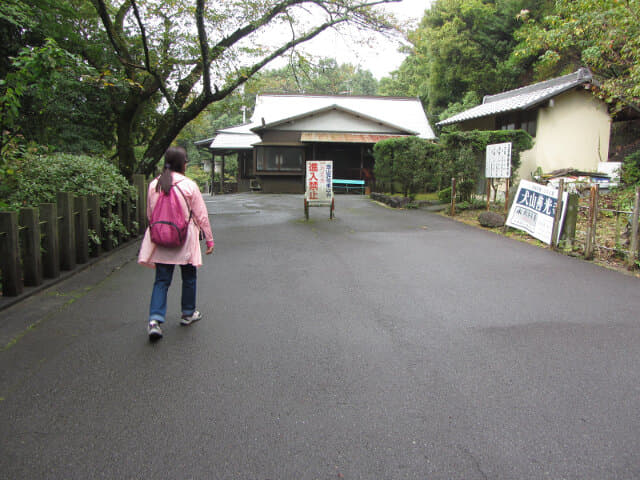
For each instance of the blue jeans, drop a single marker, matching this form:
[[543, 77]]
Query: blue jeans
[[164, 274]]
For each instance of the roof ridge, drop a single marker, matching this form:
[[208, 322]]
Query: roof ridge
[[322, 95], [580, 76]]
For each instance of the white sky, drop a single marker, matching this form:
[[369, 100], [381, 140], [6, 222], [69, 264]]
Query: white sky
[[381, 55]]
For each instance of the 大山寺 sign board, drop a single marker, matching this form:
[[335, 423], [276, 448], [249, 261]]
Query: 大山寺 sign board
[[534, 210], [498, 160], [319, 185]]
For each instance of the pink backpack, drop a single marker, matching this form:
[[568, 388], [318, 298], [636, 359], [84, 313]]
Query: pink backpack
[[167, 225]]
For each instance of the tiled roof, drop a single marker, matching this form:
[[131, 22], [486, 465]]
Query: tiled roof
[[522, 98]]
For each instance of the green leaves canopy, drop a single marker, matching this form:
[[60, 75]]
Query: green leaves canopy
[[165, 61], [461, 46], [603, 35]]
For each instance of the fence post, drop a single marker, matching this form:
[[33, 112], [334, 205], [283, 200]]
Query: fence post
[[592, 222], [29, 220], [107, 241], [118, 212], [557, 216], [126, 216], [82, 230], [93, 202], [67, 231], [488, 194], [453, 196], [51, 254], [10, 255], [141, 202], [633, 247], [571, 220]]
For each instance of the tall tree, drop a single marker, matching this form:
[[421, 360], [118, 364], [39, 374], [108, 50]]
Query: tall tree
[[324, 77], [462, 46], [603, 35], [175, 58]]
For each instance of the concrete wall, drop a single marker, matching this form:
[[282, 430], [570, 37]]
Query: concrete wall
[[573, 133]]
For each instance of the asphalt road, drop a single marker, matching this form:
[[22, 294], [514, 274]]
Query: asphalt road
[[381, 345]]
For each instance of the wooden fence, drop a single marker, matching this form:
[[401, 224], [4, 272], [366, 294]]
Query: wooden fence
[[37, 243], [594, 229]]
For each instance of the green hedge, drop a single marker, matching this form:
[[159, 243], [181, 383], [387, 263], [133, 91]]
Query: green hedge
[[37, 179]]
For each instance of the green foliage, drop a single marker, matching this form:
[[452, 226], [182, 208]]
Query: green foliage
[[631, 169], [39, 177], [603, 35], [326, 77], [408, 161], [461, 46], [474, 143], [198, 175], [50, 97], [444, 195], [463, 155]]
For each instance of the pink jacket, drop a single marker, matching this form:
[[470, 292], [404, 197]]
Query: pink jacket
[[150, 253]]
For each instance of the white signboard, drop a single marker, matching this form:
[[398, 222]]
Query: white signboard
[[498, 164], [319, 183], [534, 209]]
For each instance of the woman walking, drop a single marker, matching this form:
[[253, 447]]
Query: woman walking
[[187, 255]]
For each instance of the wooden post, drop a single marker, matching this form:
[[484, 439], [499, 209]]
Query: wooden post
[[633, 247], [506, 197], [10, 255], [453, 196], [571, 219], [213, 173], [94, 222], [67, 231], [222, 175], [107, 240], [488, 194], [29, 220], [126, 216], [141, 202], [82, 230], [557, 216], [119, 234], [592, 222], [50, 243]]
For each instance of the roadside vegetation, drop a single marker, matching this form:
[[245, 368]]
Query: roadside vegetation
[[92, 92]]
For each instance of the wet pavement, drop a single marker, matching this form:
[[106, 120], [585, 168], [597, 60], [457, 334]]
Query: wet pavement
[[383, 344]]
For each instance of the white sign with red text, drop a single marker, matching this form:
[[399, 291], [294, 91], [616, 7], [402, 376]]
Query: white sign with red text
[[319, 183]]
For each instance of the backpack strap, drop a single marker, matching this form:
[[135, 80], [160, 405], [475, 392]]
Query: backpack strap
[[185, 199]]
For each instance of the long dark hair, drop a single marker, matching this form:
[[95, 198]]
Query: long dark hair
[[175, 160]]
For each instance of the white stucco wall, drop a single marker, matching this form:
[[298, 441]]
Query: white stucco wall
[[573, 133], [336, 121]]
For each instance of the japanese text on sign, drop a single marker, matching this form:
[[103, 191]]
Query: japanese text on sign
[[319, 182], [498, 164], [534, 209]]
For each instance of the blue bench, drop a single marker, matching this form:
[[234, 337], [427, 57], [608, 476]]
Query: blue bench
[[348, 185]]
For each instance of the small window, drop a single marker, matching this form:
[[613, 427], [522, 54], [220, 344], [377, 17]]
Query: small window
[[527, 121], [279, 159]]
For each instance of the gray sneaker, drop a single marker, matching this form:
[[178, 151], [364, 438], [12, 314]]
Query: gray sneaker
[[154, 330], [189, 319]]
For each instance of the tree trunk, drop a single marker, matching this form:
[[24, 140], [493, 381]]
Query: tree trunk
[[126, 119], [166, 131]]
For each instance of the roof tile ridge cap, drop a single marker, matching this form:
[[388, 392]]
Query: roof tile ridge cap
[[581, 75]]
